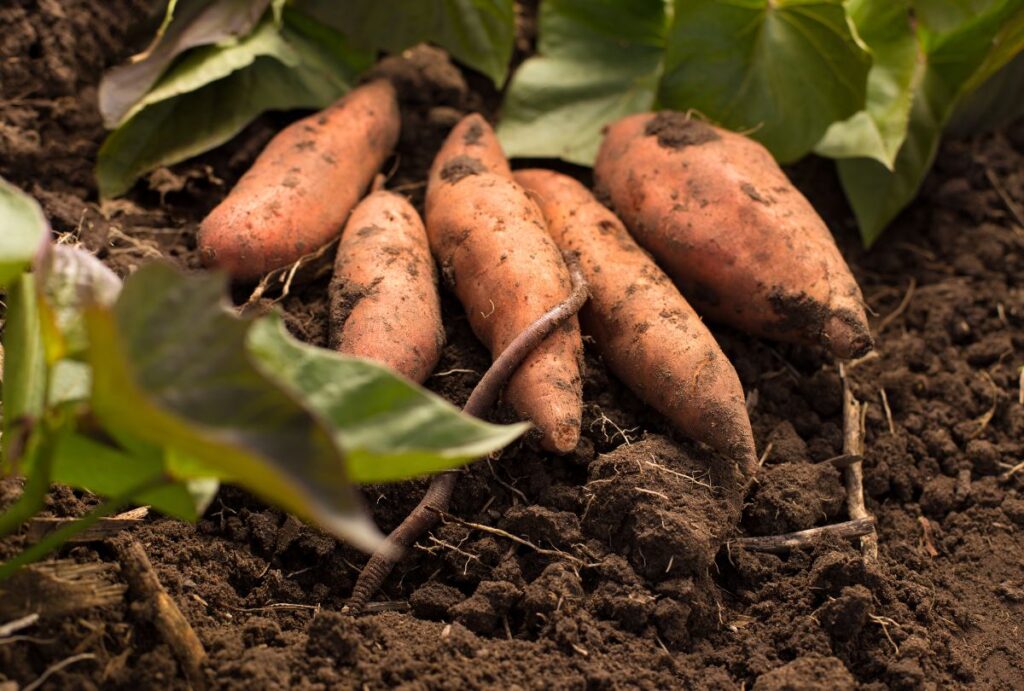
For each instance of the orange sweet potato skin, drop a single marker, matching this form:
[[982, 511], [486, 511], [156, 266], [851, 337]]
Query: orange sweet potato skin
[[299, 191], [496, 255], [722, 219], [383, 295], [644, 329]]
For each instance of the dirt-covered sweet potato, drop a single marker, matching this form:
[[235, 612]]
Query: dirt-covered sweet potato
[[645, 331], [720, 216], [495, 253], [384, 300], [299, 191]]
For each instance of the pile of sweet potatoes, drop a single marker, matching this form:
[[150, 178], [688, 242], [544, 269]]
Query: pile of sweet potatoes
[[696, 221]]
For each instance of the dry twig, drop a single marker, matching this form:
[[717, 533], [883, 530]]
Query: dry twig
[[926, 537], [888, 411], [860, 527], [1005, 477], [853, 444], [844, 461], [164, 612], [104, 528]]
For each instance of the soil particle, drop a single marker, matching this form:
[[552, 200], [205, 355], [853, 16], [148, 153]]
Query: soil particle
[[787, 445], [668, 518], [678, 130], [433, 600], [846, 615], [811, 673], [794, 496]]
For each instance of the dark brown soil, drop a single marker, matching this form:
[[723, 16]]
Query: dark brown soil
[[641, 596]]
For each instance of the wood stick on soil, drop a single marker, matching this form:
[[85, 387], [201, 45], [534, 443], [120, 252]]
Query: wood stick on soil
[[439, 494], [853, 444], [104, 528], [861, 527], [168, 619]]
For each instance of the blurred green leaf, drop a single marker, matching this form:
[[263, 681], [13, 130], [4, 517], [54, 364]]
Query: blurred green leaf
[[23, 228], [212, 93], [24, 376], [108, 472], [170, 367], [70, 278], [596, 61], [988, 107], [479, 33], [187, 24], [390, 428]]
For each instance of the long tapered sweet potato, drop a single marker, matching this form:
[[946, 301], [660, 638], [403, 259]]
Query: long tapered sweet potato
[[645, 330], [384, 300], [720, 216], [298, 193], [494, 250]]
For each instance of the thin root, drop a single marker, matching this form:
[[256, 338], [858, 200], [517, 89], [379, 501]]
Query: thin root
[[900, 308], [54, 668], [438, 496]]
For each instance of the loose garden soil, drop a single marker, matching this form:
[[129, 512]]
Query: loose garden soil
[[641, 595]]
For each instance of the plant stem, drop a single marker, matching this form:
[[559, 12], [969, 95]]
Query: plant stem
[[38, 483], [58, 537]]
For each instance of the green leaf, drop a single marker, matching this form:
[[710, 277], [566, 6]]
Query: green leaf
[[479, 33], [942, 16], [70, 278], [951, 59], [170, 368], [24, 391], [878, 131], [86, 464], [23, 228], [70, 382], [784, 70], [213, 93], [187, 24], [390, 428], [996, 103], [596, 62], [1007, 45]]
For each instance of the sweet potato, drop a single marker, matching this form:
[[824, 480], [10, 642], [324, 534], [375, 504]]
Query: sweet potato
[[644, 329], [720, 216], [384, 300], [495, 253], [298, 193]]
